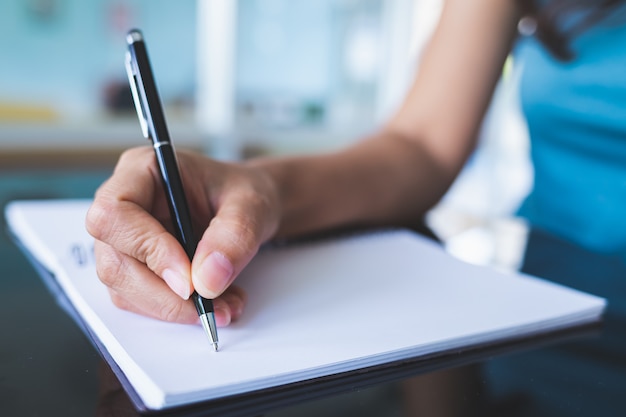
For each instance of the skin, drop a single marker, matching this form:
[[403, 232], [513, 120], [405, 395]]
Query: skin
[[389, 178]]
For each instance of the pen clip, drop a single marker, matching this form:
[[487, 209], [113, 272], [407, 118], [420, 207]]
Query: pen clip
[[132, 80]]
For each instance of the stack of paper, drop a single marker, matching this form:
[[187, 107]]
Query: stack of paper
[[314, 309]]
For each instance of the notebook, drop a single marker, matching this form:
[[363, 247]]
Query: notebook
[[315, 309]]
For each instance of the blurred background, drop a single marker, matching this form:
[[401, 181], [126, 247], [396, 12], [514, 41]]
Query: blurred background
[[267, 75], [239, 79]]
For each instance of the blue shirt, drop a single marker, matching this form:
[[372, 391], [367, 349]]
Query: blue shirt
[[576, 113]]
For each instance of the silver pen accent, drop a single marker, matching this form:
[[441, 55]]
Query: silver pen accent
[[208, 322]]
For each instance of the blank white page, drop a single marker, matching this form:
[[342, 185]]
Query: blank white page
[[314, 309]]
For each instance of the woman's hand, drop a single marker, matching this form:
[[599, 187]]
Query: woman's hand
[[234, 208]]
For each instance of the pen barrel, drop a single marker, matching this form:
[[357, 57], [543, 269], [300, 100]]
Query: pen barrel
[[175, 194], [203, 305]]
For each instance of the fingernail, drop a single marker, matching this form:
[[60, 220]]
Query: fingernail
[[216, 272], [177, 283]]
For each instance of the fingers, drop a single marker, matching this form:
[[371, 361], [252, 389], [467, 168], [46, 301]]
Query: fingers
[[229, 306], [123, 216], [133, 287], [146, 241], [143, 264], [136, 288]]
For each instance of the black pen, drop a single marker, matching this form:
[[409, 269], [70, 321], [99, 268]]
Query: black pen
[[152, 121]]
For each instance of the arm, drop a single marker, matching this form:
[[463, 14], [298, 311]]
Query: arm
[[390, 178], [397, 174]]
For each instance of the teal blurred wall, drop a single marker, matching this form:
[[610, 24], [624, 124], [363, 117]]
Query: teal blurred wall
[[63, 52]]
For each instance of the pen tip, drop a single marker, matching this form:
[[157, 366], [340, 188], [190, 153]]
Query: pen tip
[[208, 322]]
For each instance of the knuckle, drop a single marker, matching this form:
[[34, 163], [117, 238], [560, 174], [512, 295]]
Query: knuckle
[[171, 312], [96, 219], [133, 155], [107, 205], [154, 250], [260, 200], [241, 232], [110, 266], [247, 238], [261, 206]]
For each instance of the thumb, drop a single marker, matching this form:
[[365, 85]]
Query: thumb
[[227, 246]]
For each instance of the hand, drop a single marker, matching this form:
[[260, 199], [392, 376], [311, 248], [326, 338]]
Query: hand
[[234, 208]]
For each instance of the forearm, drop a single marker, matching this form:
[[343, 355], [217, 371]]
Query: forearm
[[395, 176], [382, 180]]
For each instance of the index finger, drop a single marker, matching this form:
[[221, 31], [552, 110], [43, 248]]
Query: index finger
[[123, 215]]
